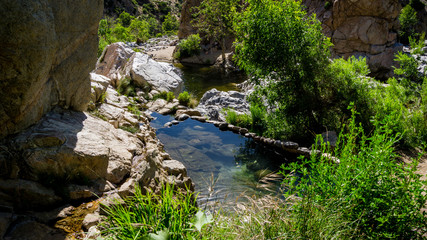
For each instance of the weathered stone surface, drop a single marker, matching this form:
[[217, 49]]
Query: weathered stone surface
[[99, 86], [47, 54], [24, 194], [113, 60], [32, 230], [365, 28], [175, 168], [213, 102], [182, 117], [189, 112], [5, 221], [160, 76], [71, 145], [91, 220]]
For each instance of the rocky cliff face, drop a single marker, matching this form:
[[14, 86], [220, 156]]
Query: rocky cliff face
[[185, 27], [48, 49], [363, 28]]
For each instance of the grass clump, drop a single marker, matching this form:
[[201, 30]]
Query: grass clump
[[241, 120], [126, 87], [168, 215], [130, 129], [168, 96], [188, 47], [187, 99]]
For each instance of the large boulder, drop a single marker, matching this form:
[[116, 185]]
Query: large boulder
[[366, 28], [119, 61], [48, 50], [157, 75], [75, 146], [213, 103]]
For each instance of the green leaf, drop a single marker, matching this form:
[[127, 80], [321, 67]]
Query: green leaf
[[200, 220], [161, 235]]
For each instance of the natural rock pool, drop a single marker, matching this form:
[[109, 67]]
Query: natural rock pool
[[200, 79], [223, 165]]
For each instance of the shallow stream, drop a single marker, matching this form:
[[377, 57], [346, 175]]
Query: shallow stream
[[223, 165]]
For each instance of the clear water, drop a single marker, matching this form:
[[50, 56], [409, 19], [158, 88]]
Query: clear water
[[200, 79], [223, 165]]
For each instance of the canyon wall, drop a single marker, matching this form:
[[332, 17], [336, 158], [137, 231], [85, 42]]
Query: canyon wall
[[48, 49]]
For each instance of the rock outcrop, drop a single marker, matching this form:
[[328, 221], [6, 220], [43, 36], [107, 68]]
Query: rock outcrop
[[119, 61], [47, 53], [213, 103], [365, 28], [185, 26]]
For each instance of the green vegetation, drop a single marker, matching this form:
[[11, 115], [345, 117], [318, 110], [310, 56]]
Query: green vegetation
[[214, 19], [130, 129], [416, 46], [168, 96], [188, 47], [408, 20], [378, 196], [126, 87], [187, 99], [242, 120], [170, 25], [167, 215]]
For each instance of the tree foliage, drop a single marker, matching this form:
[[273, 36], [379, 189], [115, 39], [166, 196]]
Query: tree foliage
[[277, 41], [214, 19]]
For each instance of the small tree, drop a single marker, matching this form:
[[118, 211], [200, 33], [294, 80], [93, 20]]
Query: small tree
[[408, 20], [170, 25], [214, 18], [277, 41]]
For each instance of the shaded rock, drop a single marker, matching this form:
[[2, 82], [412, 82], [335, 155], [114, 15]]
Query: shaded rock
[[75, 146], [46, 57], [32, 230], [175, 122], [330, 137], [115, 99], [182, 117], [5, 221], [189, 112], [24, 194], [157, 105], [113, 60], [174, 167], [213, 102]]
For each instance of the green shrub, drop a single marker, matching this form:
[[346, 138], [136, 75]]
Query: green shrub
[[126, 87], [379, 196], [170, 25], [407, 67], [184, 98], [408, 20], [170, 97], [417, 46], [162, 95], [125, 19], [139, 30], [241, 120], [130, 129], [168, 215], [188, 47]]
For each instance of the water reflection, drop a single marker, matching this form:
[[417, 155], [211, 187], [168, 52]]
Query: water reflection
[[200, 79], [222, 164]]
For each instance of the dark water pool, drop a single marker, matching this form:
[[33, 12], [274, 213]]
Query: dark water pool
[[223, 165], [200, 79]]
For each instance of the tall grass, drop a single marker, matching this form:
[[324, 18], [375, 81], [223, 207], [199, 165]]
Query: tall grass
[[170, 214]]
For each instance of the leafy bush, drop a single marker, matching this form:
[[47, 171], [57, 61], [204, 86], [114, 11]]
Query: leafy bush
[[408, 20], [170, 97], [379, 196], [188, 47], [279, 37], [407, 68], [168, 215], [170, 25], [125, 19], [417, 46], [184, 98]]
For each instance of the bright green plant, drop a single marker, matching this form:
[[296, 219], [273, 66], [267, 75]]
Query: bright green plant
[[188, 47], [241, 120], [125, 19], [184, 98], [139, 29], [407, 68], [168, 215], [379, 196], [417, 46], [408, 20], [170, 97]]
